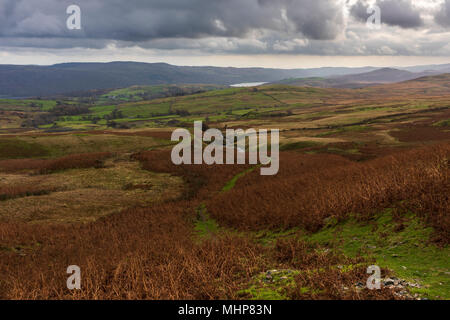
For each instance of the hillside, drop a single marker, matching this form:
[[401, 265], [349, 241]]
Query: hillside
[[27, 81], [436, 85], [295, 107], [73, 78], [360, 80], [362, 181], [385, 75]]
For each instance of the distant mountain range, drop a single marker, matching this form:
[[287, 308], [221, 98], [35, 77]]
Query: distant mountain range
[[360, 80], [436, 85], [27, 81]]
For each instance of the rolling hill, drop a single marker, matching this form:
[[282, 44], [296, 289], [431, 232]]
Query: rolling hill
[[67, 78], [436, 85], [71, 78], [375, 77]]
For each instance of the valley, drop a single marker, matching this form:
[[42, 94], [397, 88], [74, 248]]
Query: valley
[[87, 179]]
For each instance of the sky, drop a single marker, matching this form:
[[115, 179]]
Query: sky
[[239, 33]]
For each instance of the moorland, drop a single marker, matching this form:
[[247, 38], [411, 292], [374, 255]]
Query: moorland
[[87, 180]]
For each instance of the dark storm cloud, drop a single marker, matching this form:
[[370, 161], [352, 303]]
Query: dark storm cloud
[[359, 11], [317, 20], [399, 13], [137, 20], [314, 27], [443, 16]]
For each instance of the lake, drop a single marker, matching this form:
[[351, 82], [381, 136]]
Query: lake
[[248, 84]]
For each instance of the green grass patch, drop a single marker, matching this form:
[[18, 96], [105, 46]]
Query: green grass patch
[[230, 184], [299, 145], [443, 123], [27, 104], [339, 151], [18, 149], [204, 225], [345, 129], [403, 247], [270, 285], [268, 237]]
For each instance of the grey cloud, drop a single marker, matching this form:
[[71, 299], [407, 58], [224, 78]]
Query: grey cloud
[[136, 20], [53, 43], [399, 13], [443, 16], [313, 27], [317, 20], [359, 11]]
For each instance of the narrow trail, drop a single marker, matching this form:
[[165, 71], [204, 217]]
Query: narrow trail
[[202, 211]]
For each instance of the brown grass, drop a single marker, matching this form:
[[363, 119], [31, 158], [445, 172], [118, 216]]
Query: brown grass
[[23, 190], [84, 160], [420, 134], [83, 195], [153, 253], [309, 189], [138, 254], [162, 135]]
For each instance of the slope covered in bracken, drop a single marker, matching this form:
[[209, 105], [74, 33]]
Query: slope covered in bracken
[[154, 252]]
